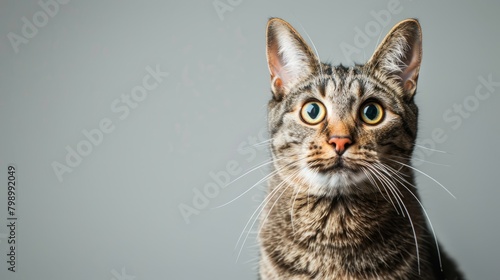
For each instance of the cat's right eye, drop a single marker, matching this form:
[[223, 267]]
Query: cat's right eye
[[313, 112], [372, 113]]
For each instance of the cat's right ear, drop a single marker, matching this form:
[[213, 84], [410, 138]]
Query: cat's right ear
[[400, 54], [289, 58]]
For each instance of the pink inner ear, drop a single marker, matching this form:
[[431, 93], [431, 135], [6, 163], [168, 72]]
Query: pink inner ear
[[409, 74], [412, 65], [278, 83], [289, 58], [278, 73], [275, 66]]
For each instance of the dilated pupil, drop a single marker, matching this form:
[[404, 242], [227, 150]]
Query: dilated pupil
[[371, 112], [313, 110]]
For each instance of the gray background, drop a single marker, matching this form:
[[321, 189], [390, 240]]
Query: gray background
[[117, 215]]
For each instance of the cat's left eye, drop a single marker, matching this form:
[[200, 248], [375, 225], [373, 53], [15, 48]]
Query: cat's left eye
[[313, 112], [372, 113]]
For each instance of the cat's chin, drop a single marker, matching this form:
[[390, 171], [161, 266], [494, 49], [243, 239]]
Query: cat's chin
[[343, 181]]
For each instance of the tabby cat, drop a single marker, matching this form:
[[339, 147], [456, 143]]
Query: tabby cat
[[342, 202]]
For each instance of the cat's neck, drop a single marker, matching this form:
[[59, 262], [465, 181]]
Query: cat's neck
[[344, 219], [337, 221], [367, 227]]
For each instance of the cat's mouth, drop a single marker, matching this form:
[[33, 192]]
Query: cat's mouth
[[333, 175], [339, 164]]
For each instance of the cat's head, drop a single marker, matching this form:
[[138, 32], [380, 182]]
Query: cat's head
[[334, 128]]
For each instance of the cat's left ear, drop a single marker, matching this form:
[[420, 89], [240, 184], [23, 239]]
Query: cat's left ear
[[289, 58], [400, 55]]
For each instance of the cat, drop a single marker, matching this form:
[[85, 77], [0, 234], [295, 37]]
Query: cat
[[342, 201]]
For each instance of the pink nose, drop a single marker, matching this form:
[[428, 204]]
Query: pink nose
[[340, 143]]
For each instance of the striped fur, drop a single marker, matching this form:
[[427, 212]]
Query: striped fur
[[354, 215]]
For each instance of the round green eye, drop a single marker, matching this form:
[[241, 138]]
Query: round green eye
[[372, 113], [313, 112]]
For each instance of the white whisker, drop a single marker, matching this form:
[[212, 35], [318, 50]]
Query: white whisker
[[261, 205], [430, 149], [265, 142], [385, 174], [253, 186], [262, 209], [390, 169], [370, 175], [387, 184], [414, 234], [422, 160], [425, 174], [398, 197], [315, 50], [265, 201], [250, 261]]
